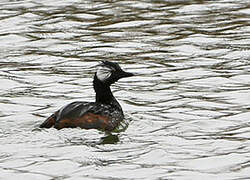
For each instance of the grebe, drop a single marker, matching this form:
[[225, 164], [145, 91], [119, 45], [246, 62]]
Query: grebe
[[103, 114]]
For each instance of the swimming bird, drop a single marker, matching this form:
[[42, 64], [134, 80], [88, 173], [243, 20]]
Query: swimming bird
[[103, 114]]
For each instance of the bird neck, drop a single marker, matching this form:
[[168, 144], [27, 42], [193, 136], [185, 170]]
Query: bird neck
[[103, 92]]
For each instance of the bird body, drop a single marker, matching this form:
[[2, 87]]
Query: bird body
[[104, 114]]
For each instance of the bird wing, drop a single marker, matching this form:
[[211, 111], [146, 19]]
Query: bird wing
[[74, 110]]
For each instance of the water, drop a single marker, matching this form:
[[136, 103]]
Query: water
[[187, 112]]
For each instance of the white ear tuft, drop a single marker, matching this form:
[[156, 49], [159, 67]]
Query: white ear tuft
[[103, 73]]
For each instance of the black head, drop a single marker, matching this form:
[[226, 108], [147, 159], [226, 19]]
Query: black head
[[110, 72]]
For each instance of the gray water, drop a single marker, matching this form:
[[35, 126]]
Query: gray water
[[187, 112]]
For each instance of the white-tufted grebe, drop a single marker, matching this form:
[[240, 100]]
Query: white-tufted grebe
[[104, 114]]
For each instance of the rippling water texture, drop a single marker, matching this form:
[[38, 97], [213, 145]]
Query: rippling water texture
[[188, 112]]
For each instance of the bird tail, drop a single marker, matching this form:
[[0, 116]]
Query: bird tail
[[49, 122]]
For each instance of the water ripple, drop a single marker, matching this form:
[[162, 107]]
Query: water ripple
[[187, 111]]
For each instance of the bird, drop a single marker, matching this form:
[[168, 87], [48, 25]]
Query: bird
[[104, 114]]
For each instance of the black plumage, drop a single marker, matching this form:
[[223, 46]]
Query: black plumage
[[105, 113]]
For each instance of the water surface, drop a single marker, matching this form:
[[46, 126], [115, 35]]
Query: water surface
[[187, 112]]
